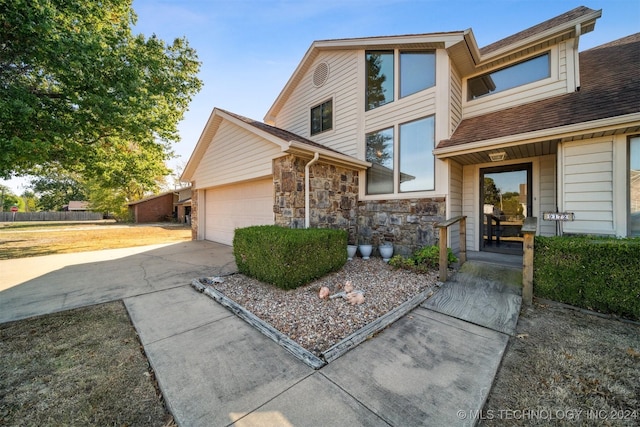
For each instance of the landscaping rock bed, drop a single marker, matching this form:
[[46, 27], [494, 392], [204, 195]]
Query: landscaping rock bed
[[318, 324]]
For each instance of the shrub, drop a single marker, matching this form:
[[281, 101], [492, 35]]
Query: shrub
[[601, 274], [424, 259], [288, 258]]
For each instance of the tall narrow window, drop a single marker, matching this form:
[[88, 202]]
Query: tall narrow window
[[380, 154], [417, 164], [379, 78], [322, 117], [634, 186], [417, 71]]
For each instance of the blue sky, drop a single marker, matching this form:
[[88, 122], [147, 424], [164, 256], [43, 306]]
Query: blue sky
[[250, 48]]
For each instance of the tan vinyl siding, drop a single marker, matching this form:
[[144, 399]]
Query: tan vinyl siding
[[235, 155], [587, 186], [562, 62], [470, 203], [455, 202], [342, 87], [547, 194], [456, 101]]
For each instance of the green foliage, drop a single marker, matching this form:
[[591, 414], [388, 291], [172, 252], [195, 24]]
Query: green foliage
[[424, 259], [596, 273], [78, 85], [7, 198], [108, 201], [56, 189], [288, 258]]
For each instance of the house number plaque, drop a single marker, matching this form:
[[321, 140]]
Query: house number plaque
[[558, 216]]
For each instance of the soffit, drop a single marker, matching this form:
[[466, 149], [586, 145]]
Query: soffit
[[521, 149]]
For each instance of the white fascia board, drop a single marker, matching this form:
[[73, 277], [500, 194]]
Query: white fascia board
[[364, 42], [601, 125]]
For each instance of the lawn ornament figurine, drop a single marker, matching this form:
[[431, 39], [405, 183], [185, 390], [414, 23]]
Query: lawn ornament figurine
[[324, 293]]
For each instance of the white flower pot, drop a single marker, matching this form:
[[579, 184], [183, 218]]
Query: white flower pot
[[386, 252], [365, 251], [351, 251]]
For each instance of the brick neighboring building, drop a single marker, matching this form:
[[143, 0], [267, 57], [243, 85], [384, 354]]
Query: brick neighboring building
[[159, 208]]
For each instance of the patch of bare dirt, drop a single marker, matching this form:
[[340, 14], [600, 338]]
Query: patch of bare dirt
[[565, 366], [79, 367]]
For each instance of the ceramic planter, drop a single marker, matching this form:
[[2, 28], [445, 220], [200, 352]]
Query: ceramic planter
[[351, 251], [365, 251], [386, 251]]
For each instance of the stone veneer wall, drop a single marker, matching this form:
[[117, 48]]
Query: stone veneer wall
[[333, 195], [194, 214], [407, 223]]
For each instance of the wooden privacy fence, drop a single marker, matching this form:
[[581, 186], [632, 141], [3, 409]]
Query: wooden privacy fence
[[50, 216], [444, 228]]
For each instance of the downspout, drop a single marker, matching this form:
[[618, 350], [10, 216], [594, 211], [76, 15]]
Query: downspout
[[576, 57], [307, 203]]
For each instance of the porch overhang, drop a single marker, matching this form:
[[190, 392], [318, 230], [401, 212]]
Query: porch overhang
[[536, 143]]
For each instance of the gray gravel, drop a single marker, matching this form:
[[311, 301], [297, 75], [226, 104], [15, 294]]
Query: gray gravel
[[317, 324]]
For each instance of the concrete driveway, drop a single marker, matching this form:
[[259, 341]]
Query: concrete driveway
[[42, 285], [215, 370]]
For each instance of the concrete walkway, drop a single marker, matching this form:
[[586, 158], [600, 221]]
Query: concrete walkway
[[429, 368]]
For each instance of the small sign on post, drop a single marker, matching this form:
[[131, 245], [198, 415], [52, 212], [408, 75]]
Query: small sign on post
[[558, 216], [14, 209]]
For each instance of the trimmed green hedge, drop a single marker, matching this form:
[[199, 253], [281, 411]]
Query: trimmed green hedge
[[601, 274], [286, 257]]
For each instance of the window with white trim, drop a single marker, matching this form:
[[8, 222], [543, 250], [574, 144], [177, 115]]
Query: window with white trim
[[322, 117], [515, 75], [417, 72], [402, 158]]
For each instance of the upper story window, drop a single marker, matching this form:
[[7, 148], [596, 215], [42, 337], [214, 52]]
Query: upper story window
[[417, 71], [379, 78], [322, 117], [519, 74], [411, 152]]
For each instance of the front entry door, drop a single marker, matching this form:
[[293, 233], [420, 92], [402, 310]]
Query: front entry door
[[505, 201]]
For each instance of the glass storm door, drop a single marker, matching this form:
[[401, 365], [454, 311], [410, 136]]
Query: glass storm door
[[505, 201]]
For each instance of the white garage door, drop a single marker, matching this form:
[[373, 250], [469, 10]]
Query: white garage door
[[236, 206]]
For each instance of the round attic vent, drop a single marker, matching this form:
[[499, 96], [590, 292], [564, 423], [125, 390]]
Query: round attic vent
[[320, 74]]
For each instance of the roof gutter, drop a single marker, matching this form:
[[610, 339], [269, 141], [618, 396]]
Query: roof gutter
[[307, 203]]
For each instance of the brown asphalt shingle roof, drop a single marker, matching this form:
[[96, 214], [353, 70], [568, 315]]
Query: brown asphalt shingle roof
[[610, 87], [537, 29], [279, 133]]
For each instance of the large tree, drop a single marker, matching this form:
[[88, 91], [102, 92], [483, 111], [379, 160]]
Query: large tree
[[57, 188], [76, 83]]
